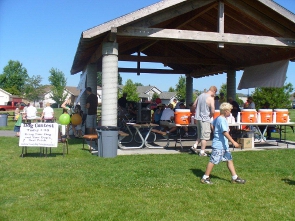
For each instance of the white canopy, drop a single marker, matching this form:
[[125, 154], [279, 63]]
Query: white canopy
[[265, 75]]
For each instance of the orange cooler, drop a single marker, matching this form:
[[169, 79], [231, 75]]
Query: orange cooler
[[249, 116], [182, 116], [282, 115], [265, 115], [216, 114]]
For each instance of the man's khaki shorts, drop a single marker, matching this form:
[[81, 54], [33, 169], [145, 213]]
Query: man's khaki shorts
[[204, 130]]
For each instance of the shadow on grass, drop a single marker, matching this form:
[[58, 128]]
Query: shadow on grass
[[37, 155], [288, 181], [199, 173]]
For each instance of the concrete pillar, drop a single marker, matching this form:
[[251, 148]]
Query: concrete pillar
[[231, 84], [91, 80], [109, 84], [84, 95], [189, 90]]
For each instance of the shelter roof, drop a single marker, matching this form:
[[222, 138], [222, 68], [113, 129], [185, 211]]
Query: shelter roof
[[195, 37]]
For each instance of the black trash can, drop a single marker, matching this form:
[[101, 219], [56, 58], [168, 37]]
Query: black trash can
[[3, 120], [107, 141]]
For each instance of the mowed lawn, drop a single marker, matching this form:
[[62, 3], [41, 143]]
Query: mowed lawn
[[81, 186]]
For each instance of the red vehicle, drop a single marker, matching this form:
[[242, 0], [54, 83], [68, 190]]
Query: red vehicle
[[11, 106]]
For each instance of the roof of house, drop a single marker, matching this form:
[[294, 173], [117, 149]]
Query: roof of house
[[193, 37], [5, 92], [167, 95]]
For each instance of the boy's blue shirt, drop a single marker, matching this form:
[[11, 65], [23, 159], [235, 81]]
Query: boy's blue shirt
[[219, 140]]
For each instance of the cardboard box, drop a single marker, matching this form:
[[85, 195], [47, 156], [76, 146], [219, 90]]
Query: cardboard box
[[246, 143]]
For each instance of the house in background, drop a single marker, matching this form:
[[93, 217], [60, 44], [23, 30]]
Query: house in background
[[167, 97], [72, 93], [146, 93], [4, 97]]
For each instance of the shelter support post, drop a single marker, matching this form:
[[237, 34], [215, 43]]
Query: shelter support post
[[189, 90], [109, 84], [231, 84]]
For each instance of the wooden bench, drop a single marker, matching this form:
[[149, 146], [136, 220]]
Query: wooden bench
[[91, 138], [163, 133], [122, 135]]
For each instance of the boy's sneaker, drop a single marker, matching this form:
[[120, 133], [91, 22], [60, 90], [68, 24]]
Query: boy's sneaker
[[203, 154], [206, 181], [194, 148], [239, 181]]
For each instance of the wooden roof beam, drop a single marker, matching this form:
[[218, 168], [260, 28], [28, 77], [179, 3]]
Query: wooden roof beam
[[200, 36], [177, 60], [151, 71]]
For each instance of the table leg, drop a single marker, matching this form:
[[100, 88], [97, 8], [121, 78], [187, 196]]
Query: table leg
[[138, 147], [146, 142]]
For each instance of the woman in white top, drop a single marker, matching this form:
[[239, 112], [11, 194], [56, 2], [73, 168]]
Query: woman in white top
[[48, 113]]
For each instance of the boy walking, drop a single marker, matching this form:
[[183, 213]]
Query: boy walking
[[220, 147]]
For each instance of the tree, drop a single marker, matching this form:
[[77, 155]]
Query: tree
[[59, 82], [138, 84], [13, 78], [99, 79], [155, 96], [223, 89], [131, 89], [171, 89], [276, 97], [181, 88], [34, 90]]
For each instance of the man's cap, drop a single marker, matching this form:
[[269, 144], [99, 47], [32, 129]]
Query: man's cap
[[181, 104], [89, 89], [159, 105]]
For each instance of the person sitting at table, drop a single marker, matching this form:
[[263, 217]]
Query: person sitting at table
[[269, 128], [185, 128], [157, 113], [167, 119], [177, 106], [48, 113], [131, 110], [249, 103], [31, 113]]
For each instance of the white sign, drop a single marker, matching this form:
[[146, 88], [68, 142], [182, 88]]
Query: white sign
[[39, 135]]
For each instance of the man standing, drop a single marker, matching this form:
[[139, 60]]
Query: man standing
[[122, 102], [205, 109], [91, 106]]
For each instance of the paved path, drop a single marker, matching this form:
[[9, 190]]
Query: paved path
[[7, 133], [172, 149]]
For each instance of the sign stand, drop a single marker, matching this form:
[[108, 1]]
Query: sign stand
[[43, 135]]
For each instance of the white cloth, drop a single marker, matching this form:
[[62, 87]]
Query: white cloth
[[167, 114], [265, 75], [31, 112], [48, 112]]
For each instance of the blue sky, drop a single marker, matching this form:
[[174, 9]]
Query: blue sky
[[45, 35]]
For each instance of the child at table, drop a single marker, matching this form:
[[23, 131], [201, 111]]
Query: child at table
[[220, 147]]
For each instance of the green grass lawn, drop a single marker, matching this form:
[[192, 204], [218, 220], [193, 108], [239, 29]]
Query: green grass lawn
[[142, 187]]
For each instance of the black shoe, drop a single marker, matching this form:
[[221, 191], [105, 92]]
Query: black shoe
[[238, 181], [206, 181]]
